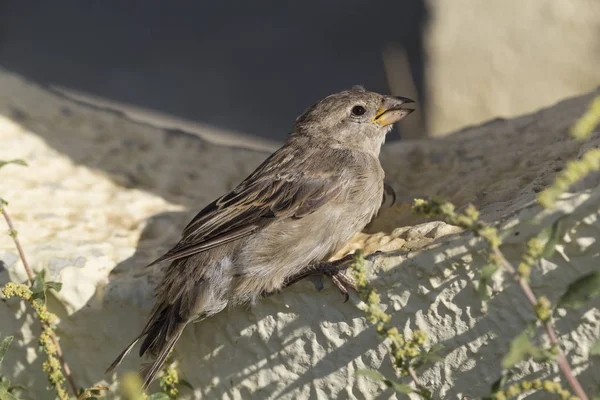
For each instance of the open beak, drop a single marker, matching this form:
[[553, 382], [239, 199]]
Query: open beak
[[392, 110]]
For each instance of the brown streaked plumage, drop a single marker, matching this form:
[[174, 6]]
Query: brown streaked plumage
[[295, 211]]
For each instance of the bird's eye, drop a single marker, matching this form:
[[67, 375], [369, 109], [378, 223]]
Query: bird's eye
[[358, 110]]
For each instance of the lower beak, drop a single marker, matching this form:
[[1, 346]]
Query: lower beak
[[392, 110]]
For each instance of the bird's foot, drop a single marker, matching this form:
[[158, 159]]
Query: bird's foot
[[336, 271], [333, 269]]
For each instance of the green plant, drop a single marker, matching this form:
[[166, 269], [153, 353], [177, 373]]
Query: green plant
[[405, 352], [6, 389], [540, 246], [408, 354], [35, 294]]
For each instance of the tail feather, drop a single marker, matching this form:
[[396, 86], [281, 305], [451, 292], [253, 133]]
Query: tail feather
[[173, 310], [160, 335], [150, 370], [123, 354], [164, 322]]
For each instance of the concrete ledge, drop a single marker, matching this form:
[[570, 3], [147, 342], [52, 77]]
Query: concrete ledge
[[104, 195]]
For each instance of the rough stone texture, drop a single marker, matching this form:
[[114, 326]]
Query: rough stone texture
[[104, 195]]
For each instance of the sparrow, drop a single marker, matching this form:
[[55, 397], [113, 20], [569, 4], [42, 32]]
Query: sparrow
[[281, 224]]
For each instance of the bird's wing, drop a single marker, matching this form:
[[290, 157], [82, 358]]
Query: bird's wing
[[265, 196]]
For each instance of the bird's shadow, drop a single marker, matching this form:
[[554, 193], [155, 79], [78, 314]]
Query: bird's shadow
[[260, 339]]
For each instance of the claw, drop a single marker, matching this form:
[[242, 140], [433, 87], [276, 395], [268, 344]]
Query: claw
[[388, 190], [337, 282], [344, 283]]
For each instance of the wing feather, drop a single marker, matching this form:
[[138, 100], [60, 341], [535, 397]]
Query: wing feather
[[265, 196]]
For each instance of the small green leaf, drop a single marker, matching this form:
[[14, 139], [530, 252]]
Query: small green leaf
[[436, 347], [595, 349], [186, 384], [3, 202], [159, 396], [399, 387], [550, 236], [519, 350], [580, 291], [425, 393], [485, 275], [488, 271], [16, 162], [430, 356], [5, 382], [540, 355], [371, 373], [433, 357], [4, 344], [482, 290], [38, 289], [499, 384], [57, 286], [378, 377], [5, 394]]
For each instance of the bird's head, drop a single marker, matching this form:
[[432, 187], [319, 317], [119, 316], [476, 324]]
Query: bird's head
[[354, 118]]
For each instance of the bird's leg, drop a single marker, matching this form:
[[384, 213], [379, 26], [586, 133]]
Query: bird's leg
[[333, 269]]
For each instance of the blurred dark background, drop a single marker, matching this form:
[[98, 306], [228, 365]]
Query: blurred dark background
[[248, 67]]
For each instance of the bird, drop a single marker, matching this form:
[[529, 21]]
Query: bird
[[279, 225]]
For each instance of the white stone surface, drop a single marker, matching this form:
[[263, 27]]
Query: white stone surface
[[104, 195]]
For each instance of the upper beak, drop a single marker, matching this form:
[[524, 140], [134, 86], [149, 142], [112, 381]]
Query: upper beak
[[392, 110]]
